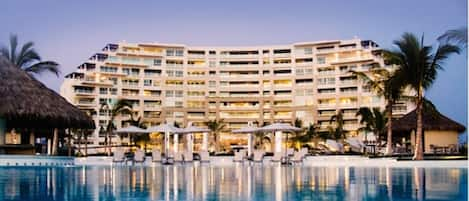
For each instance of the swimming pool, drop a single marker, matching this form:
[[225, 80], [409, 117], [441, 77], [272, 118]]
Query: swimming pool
[[236, 182]]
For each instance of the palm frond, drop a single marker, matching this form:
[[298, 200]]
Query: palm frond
[[43, 66]]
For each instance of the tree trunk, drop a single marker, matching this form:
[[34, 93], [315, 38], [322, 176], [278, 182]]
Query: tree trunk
[[109, 144], [418, 153], [69, 139], [389, 128], [86, 143], [55, 142]]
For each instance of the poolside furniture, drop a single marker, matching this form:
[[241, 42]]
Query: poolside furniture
[[334, 146], [119, 156], [303, 151], [156, 156], [239, 156], [278, 156], [290, 151], [188, 157], [297, 157], [204, 156], [178, 157], [258, 156], [139, 156]]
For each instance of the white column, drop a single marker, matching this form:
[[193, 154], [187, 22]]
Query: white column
[[176, 143], [249, 144], [166, 143], [190, 143], [48, 146], [205, 141], [278, 141]]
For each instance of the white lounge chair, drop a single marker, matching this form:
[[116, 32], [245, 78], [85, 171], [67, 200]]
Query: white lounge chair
[[297, 157], [278, 156], [156, 155], [139, 156], [188, 157], [303, 151], [239, 156], [204, 156], [290, 151], [334, 146], [178, 157], [258, 156], [119, 156]]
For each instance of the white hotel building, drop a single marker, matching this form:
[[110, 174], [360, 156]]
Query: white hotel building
[[262, 84]]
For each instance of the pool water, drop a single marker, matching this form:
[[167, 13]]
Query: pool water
[[237, 182]]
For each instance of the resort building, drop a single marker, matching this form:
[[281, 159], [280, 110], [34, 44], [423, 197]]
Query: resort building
[[310, 81]]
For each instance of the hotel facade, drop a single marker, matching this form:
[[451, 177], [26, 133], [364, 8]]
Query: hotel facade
[[310, 81]]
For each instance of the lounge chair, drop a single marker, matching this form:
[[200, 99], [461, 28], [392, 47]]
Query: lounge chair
[[278, 156], [139, 156], [204, 156], [178, 157], [239, 156], [303, 151], [258, 156], [156, 156], [188, 157], [297, 157], [119, 156], [334, 146], [290, 152]]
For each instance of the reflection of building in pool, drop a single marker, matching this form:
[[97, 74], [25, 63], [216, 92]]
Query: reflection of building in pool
[[241, 182]]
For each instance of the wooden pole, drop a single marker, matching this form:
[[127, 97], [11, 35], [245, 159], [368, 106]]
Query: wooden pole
[[69, 142], [55, 141]]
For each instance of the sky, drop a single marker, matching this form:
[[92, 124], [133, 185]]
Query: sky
[[69, 32]]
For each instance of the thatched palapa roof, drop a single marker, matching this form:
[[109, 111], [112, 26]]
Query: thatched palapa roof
[[432, 120], [27, 103]]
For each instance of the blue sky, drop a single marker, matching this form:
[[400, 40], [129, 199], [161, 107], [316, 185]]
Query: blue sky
[[69, 32]]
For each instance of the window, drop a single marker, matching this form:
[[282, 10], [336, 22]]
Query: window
[[108, 69], [308, 50], [212, 93], [179, 93], [147, 82], [169, 93], [113, 80], [113, 91], [212, 64], [212, 83], [157, 62], [321, 60], [169, 52], [212, 52], [179, 53], [103, 91]]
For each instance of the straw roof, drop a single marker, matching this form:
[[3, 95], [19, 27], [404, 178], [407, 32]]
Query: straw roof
[[27, 103], [432, 120]]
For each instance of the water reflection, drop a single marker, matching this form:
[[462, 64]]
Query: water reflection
[[239, 182]]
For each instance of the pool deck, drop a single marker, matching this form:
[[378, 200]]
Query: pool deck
[[310, 161]]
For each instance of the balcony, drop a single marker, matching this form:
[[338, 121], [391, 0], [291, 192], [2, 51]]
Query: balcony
[[327, 105]]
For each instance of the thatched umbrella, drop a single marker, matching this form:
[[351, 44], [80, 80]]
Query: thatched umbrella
[[27, 103]]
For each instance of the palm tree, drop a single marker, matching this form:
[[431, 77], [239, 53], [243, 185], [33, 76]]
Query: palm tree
[[338, 130], [216, 126], [456, 36], [145, 137], [373, 120], [120, 107], [27, 58], [386, 84], [418, 69]]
